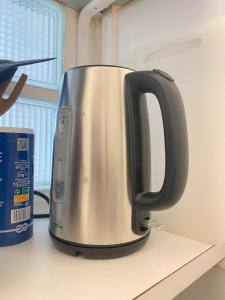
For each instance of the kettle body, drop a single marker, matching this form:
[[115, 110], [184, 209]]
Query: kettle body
[[100, 195]]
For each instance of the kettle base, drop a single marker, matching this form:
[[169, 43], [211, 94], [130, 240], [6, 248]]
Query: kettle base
[[98, 252]]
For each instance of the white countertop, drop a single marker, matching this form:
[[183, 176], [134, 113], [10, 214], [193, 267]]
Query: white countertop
[[36, 270]]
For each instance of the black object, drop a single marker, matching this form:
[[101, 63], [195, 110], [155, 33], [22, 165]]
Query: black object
[[43, 196], [8, 68], [98, 252], [175, 135]]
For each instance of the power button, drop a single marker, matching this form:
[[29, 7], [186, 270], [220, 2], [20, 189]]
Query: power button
[[164, 74]]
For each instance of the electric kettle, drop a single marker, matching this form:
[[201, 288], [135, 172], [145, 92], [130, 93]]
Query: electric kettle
[[100, 193]]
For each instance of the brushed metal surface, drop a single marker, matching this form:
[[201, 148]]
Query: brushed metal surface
[[91, 189]]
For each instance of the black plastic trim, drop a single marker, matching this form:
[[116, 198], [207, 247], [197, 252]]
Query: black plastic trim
[[98, 252], [170, 101]]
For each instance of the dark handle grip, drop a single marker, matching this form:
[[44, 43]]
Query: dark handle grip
[[175, 137]]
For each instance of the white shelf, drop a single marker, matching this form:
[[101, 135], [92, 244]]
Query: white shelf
[[165, 266]]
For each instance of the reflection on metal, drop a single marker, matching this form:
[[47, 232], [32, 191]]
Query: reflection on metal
[[92, 159]]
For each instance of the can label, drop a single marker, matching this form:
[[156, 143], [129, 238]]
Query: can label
[[16, 187]]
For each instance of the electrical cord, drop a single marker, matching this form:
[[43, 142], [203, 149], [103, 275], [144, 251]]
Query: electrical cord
[[42, 196], [46, 198]]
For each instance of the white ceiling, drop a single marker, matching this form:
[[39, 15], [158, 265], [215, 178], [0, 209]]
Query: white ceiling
[[79, 4]]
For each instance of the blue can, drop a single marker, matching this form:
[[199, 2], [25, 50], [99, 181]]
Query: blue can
[[16, 185]]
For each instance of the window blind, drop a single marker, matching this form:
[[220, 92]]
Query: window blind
[[32, 29], [39, 116]]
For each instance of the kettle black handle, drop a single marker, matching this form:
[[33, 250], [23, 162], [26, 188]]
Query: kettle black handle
[[175, 136]]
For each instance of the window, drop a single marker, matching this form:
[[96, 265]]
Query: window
[[32, 29], [40, 116]]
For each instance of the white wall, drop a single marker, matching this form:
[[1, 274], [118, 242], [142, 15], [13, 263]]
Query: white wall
[[186, 39]]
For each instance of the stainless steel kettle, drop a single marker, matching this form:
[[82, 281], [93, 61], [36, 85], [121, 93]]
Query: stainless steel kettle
[[100, 194]]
